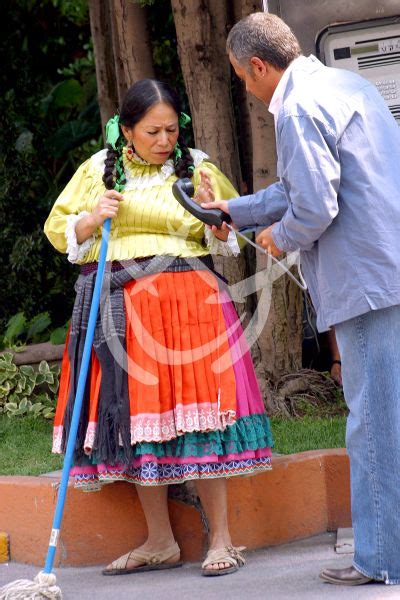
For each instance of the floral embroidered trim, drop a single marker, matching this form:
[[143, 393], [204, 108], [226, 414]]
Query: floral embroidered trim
[[151, 473], [76, 251], [184, 419], [216, 246]]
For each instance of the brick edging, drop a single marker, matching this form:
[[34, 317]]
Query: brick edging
[[305, 494]]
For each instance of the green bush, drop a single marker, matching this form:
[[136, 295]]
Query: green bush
[[20, 331], [24, 391], [49, 123]]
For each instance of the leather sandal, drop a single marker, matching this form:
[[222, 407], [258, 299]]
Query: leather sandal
[[152, 561], [229, 554]]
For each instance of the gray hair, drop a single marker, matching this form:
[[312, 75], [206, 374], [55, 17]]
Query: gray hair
[[266, 36]]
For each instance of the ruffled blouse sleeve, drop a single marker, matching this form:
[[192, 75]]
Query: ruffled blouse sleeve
[[61, 222], [223, 190]]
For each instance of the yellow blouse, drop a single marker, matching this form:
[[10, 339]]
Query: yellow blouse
[[149, 222]]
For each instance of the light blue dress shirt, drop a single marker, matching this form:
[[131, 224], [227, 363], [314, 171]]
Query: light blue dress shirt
[[338, 198]]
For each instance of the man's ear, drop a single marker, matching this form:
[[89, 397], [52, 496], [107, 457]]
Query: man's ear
[[259, 67]]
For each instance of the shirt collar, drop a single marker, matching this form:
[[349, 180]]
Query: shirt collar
[[277, 98]]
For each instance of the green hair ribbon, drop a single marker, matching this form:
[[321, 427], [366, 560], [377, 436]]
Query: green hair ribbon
[[117, 142], [184, 120], [177, 151], [113, 131]]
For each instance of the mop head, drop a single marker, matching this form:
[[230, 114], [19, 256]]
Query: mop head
[[43, 587]]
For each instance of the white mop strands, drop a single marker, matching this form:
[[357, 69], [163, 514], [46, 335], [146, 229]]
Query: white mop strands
[[42, 588]]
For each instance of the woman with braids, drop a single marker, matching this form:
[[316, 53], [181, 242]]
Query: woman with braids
[[172, 394]]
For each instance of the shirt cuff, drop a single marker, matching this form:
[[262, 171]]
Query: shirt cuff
[[216, 246], [75, 251], [240, 211], [280, 241]]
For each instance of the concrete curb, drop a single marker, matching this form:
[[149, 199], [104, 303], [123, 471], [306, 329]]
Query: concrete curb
[[305, 494]]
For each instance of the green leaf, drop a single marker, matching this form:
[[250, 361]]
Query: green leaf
[[5, 389], [70, 136], [3, 377], [29, 387], [44, 367], [48, 413], [59, 335], [23, 405], [67, 94], [6, 359], [49, 378], [20, 384], [46, 398], [16, 326], [55, 369], [28, 371], [54, 387], [38, 324]]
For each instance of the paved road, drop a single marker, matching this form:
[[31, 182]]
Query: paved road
[[288, 572]]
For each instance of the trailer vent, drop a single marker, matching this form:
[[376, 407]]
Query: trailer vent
[[378, 60]]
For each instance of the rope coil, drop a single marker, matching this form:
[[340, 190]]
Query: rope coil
[[43, 587]]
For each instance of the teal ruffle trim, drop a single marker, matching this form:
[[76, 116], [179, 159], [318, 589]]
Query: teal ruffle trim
[[248, 433], [251, 432]]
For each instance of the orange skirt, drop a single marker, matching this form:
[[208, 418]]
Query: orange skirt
[[180, 372]]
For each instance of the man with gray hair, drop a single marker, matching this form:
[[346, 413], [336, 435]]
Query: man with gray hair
[[338, 201]]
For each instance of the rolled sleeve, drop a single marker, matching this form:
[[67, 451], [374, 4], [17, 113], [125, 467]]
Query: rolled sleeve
[[311, 175], [260, 209]]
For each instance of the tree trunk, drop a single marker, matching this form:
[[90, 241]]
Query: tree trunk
[[131, 43], [201, 27], [104, 58], [280, 340]]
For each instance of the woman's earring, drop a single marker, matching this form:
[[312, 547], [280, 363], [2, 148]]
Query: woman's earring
[[130, 148]]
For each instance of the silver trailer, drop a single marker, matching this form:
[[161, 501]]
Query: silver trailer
[[359, 35]]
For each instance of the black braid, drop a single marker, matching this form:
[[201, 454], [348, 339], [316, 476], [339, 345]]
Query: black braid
[[112, 159], [184, 165]]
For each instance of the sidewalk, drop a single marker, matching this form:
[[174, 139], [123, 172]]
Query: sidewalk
[[288, 572]]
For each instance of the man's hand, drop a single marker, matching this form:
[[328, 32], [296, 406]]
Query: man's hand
[[265, 240], [221, 204], [223, 232]]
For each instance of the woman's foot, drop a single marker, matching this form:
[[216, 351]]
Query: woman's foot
[[222, 561], [215, 566], [145, 558], [213, 498]]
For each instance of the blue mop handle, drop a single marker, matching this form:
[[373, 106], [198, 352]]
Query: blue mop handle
[[87, 351]]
